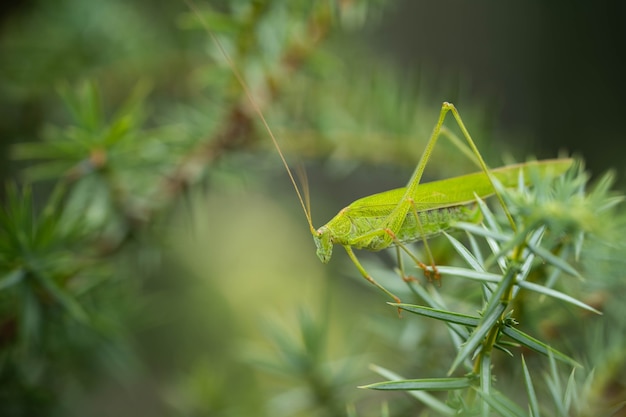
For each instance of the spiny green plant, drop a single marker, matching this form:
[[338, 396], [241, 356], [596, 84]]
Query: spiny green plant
[[552, 219]]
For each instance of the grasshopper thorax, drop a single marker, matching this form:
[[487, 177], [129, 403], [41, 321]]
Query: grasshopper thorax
[[324, 243]]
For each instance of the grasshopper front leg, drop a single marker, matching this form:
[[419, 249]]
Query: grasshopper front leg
[[367, 276], [385, 238]]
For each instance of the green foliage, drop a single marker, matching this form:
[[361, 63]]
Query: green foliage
[[147, 230], [552, 221]]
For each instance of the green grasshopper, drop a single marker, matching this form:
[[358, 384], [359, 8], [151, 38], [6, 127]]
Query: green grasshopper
[[420, 211], [415, 212]]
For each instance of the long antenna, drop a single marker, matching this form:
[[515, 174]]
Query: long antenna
[[255, 106]]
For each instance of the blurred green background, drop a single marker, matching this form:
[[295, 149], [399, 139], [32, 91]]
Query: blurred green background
[[194, 262]]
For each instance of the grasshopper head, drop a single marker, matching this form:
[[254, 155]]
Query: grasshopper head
[[324, 244]]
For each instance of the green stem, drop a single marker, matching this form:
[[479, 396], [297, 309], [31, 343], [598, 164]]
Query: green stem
[[506, 298]]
